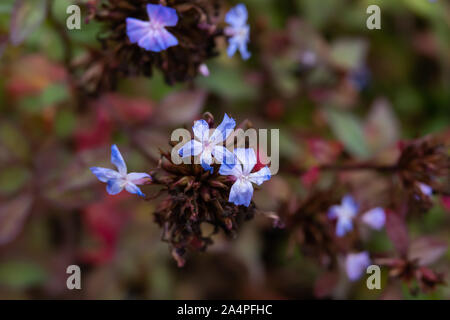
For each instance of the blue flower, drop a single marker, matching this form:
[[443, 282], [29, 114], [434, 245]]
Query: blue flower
[[207, 145], [116, 181], [242, 190], [344, 214], [426, 189], [375, 218], [356, 264], [152, 35], [238, 31]]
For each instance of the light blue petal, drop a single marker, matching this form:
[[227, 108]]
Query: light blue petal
[[117, 160], [343, 226], [260, 176], [201, 130], [162, 15], [191, 148], [245, 54], [223, 155], [241, 193], [207, 167], [333, 212], [134, 189], [248, 159], [237, 16], [356, 265], [349, 204], [375, 218], [149, 42], [232, 47], [137, 29], [138, 177], [426, 189], [104, 174], [114, 186], [231, 170], [165, 39], [223, 130]]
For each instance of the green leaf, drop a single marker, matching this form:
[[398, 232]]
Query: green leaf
[[21, 274], [349, 130]]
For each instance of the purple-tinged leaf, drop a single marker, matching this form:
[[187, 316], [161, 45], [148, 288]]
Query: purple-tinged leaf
[[12, 217], [26, 17], [397, 232], [427, 250]]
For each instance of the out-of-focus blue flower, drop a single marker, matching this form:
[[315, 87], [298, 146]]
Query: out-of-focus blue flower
[[375, 218], [238, 31], [356, 264], [116, 181], [426, 189], [242, 190], [344, 214], [152, 35], [207, 145]]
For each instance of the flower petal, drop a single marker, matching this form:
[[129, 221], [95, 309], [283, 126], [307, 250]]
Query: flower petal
[[201, 130], [245, 54], [237, 16], [206, 160], [247, 157], [137, 29], [241, 193], [104, 174], [162, 15], [191, 148], [343, 226], [232, 47], [114, 186], [375, 218], [231, 170], [223, 130], [333, 212], [138, 177], [134, 189], [260, 176], [356, 264], [426, 189], [223, 155], [157, 40], [349, 204], [117, 160]]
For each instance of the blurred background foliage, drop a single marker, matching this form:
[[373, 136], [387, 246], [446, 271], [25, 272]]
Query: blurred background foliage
[[317, 73]]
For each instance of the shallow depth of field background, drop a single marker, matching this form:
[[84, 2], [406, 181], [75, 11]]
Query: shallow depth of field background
[[316, 72]]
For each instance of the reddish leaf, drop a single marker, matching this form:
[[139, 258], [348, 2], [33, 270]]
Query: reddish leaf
[[310, 177], [180, 108], [397, 231], [12, 217], [26, 17], [325, 284], [427, 250]]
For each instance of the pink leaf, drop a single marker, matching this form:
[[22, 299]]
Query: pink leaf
[[12, 217]]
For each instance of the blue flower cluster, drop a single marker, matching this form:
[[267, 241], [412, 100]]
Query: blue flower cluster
[[238, 164], [153, 36]]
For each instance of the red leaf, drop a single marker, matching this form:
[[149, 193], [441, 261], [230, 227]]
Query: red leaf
[[325, 284], [427, 250], [397, 231], [12, 217]]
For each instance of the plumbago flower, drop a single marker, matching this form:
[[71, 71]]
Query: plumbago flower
[[152, 35], [238, 31], [116, 181], [206, 146], [375, 218], [344, 214], [347, 211], [241, 192], [356, 264]]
